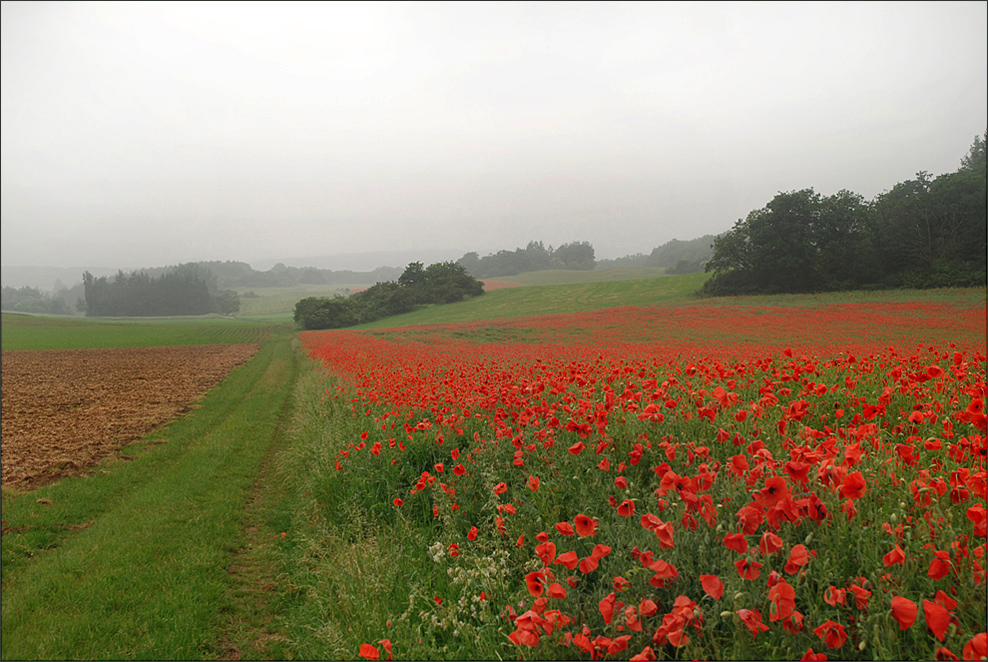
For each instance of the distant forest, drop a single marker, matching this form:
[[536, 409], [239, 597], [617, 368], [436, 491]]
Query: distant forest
[[187, 289], [678, 257], [578, 255], [923, 233], [33, 300]]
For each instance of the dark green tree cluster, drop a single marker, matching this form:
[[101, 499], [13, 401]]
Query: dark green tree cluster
[[922, 233], [184, 290], [578, 255], [439, 283], [33, 300]]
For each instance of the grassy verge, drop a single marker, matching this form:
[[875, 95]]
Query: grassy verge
[[132, 562]]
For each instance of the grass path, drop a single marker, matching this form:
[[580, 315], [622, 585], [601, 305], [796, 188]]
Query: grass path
[[134, 561]]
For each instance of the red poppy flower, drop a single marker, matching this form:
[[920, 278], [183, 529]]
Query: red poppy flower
[[854, 486], [939, 566], [896, 556], [770, 543], [782, 597], [832, 633], [944, 654], [588, 565], [664, 533], [665, 574], [627, 508], [472, 535], [568, 559], [546, 552], [712, 586], [793, 624], [621, 482], [834, 596], [647, 655], [606, 607], [369, 652], [459, 470], [500, 488], [533, 483], [753, 621], [647, 608], [797, 471], [817, 508], [585, 526], [976, 648], [555, 590], [534, 581], [945, 601], [398, 502], [937, 618], [576, 448], [600, 551], [861, 596], [979, 516], [737, 542], [747, 569], [813, 657], [798, 557], [751, 517], [565, 528], [776, 489]]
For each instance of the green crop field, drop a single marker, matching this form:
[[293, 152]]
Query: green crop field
[[35, 332]]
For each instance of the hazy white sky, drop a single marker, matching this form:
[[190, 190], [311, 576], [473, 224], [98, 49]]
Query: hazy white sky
[[149, 134]]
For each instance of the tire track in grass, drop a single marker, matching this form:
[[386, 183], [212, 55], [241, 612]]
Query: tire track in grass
[[249, 628]]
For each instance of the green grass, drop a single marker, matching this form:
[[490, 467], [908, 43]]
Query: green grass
[[664, 291], [571, 277], [35, 332], [278, 303], [148, 576]]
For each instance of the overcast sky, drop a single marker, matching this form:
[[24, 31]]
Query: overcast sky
[[150, 134]]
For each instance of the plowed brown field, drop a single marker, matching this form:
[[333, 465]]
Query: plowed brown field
[[64, 410]]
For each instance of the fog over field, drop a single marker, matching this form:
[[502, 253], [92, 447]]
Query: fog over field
[[149, 134]]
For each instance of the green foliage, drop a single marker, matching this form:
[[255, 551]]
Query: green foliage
[[578, 255], [440, 283], [188, 289], [33, 300], [922, 233], [976, 155], [677, 254]]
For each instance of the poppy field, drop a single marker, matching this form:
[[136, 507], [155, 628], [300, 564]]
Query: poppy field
[[692, 482]]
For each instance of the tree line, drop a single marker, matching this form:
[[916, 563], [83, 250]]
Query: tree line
[[578, 255], [439, 283], [33, 300], [188, 289], [924, 232]]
